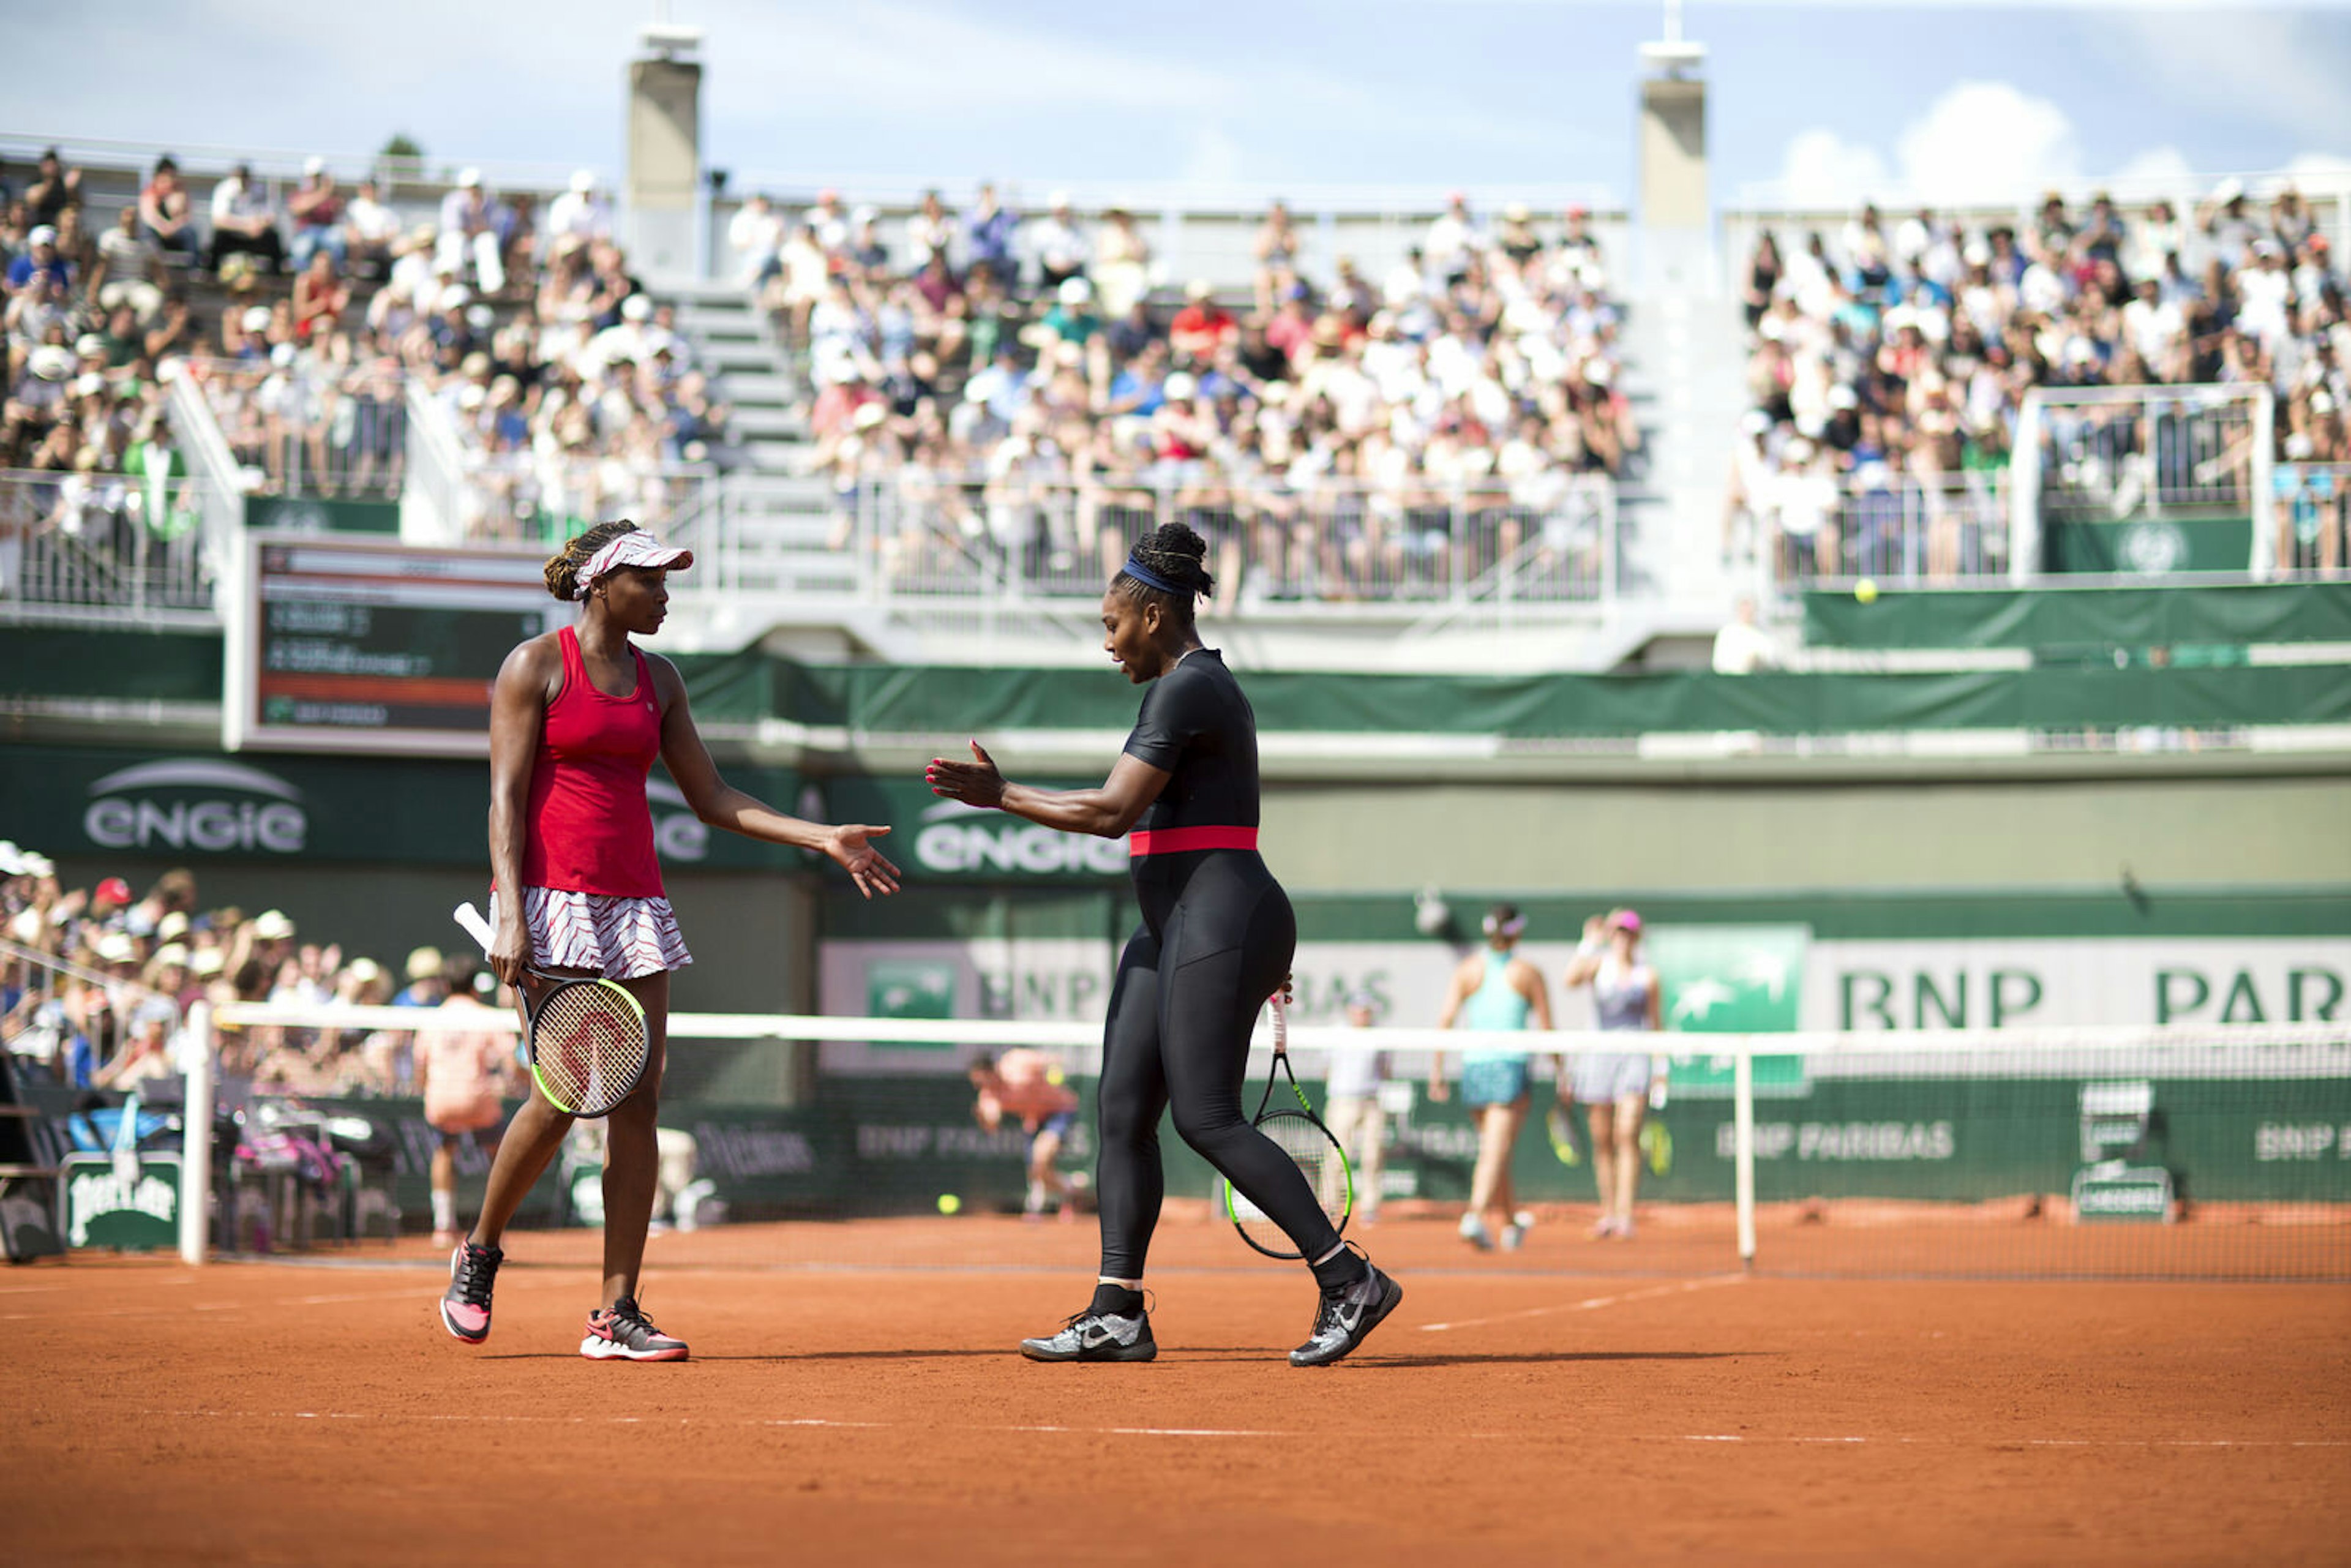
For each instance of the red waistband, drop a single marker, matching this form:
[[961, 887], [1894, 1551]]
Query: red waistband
[[1179, 841]]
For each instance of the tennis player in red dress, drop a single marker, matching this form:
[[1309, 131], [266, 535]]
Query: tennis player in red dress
[[576, 720]]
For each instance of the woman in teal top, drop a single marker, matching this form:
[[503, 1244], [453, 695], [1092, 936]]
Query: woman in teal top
[[1494, 992]]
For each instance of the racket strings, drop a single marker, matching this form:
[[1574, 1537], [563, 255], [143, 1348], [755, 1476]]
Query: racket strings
[[1307, 1146], [588, 1047]]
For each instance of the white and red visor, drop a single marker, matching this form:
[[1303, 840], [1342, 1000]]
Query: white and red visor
[[635, 548]]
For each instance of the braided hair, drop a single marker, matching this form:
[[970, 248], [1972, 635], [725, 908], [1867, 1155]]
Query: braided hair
[[1172, 552], [563, 567]]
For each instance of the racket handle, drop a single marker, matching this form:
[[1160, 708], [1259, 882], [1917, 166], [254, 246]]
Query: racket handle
[[467, 915], [1281, 1025]]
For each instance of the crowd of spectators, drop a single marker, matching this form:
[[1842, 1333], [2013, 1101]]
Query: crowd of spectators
[[572, 392], [99, 997], [1888, 362], [1020, 387]]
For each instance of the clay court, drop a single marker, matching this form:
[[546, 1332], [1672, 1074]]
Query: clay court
[[854, 1397]]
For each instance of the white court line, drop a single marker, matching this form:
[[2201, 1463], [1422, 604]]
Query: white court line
[[824, 1423], [1591, 1303], [408, 1292]]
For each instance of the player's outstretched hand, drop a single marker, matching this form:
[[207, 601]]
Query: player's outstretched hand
[[866, 866], [976, 783]]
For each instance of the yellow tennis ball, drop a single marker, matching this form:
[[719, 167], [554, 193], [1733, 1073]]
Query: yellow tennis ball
[[1054, 1074], [1866, 591], [949, 1203]]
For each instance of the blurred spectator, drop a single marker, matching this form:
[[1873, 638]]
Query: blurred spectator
[[244, 222], [1059, 243], [580, 215], [757, 233], [130, 269], [1742, 647], [316, 210], [369, 231], [167, 214], [469, 234], [54, 188], [989, 230]]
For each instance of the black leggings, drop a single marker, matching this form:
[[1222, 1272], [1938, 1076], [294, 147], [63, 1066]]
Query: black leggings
[[1189, 987]]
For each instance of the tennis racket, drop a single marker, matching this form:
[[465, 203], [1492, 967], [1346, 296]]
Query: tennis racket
[[1559, 1123], [1300, 1133], [585, 1038]]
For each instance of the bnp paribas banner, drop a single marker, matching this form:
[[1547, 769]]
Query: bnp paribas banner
[[1717, 979]]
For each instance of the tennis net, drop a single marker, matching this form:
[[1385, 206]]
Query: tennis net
[[2220, 1152]]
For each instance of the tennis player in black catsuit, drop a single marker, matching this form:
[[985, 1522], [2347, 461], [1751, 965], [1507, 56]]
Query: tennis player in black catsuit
[[1216, 940]]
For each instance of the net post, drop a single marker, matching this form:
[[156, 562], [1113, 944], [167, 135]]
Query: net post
[[1742, 1146], [196, 1138]]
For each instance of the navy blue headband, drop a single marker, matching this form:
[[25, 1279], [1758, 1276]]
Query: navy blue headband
[[1150, 579]]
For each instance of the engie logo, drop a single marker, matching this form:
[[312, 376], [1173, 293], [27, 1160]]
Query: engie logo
[[958, 839], [678, 838], [196, 803]]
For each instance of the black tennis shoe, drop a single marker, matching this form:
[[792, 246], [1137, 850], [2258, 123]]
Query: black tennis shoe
[[465, 1305], [1347, 1316], [1096, 1336]]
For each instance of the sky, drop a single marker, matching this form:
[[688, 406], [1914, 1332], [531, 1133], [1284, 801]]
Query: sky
[[1822, 103]]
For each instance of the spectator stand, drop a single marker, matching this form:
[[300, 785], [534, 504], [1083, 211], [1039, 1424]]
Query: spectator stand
[[968, 436], [2131, 383]]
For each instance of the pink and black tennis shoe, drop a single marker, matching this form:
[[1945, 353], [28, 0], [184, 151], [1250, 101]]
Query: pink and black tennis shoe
[[624, 1333], [466, 1307]]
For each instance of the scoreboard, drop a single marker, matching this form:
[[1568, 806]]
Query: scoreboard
[[366, 645]]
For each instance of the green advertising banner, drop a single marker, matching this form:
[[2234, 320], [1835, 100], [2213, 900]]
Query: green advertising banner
[[131, 1204], [321, 514], [1730, 979], [2149, 547], [73, 800]]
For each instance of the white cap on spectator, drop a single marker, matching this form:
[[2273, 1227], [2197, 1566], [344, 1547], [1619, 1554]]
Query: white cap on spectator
[[38, 864], [1843, 396], [314, 164], [173, 927], [1179, 387], [1755, 423], [868, 416], [88, 384], [281, 356], [1076, 291], [1599, 373], [1516, 213], [455, 299], [582, 181], [272, 926], [863, 215], [11, 859], [256, 318], [423, 964], [481, 317], [1058, 199], [117, 948], [207, 961], [42, 234], [1197, 290], [468, 177], [636, 308], [51, 362], [2228, 190], [363, 970], [172, 953], [1976, 253], [90, 343], [1798, 451]]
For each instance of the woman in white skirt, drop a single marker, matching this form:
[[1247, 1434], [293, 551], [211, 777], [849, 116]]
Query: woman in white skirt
[[577, 719], [1615, 1087]]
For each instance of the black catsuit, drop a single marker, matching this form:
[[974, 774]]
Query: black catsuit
[[1217, 940]]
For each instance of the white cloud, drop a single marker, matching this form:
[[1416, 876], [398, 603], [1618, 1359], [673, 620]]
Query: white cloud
[[1980, 140], [1822, 168], [2278, 69], [1983, 141], [2165, 165]]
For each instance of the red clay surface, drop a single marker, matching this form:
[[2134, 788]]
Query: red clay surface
[[854, 1397]]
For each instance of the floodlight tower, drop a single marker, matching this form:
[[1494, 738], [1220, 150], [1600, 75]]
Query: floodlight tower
[[665, 173], [1675, 220]]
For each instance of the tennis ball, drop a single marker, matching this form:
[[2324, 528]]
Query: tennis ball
[[1866, 591], [1054, 1075], [949, 1203]]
